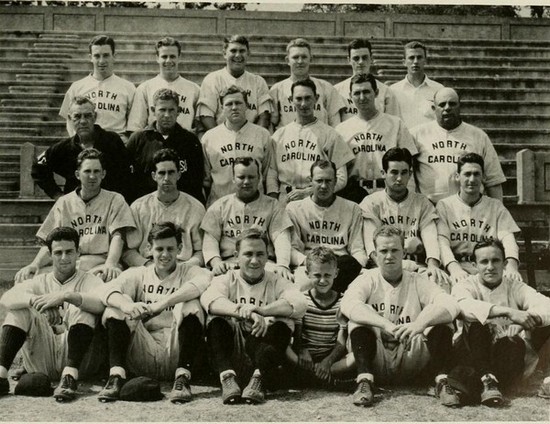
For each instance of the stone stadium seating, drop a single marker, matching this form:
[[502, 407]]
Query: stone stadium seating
[[504, 86]]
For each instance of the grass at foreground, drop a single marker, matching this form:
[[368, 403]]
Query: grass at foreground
[[396, 404]]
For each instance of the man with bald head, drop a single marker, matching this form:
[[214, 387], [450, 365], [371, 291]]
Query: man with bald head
[[441, 142]]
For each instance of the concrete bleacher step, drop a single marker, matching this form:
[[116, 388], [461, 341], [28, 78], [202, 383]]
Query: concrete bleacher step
[[38, 75], [504, 106], [496, 93], [18, 140], [396, 60], [471, 71], [13, 117], [507, 137], [502, 120]]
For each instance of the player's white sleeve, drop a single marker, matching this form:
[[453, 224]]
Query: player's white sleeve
[[19, 296], [334, 103], [471, 308], [357, 293], [137, 119], [128, 283], [369, 227], [492, 173], [121, 216], [208, 97], [218, 288], [290, 292], [405, 139], [431, 293], [356, 244], [511, 248], [283, 247], [207, 182], [272, 178], [265, 104], [199, 278], [430, 240], [210, 247], [341, 178], [391, 105], [531, 300]]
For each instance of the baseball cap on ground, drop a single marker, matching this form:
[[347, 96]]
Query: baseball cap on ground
[[34, 384], [141, 389]]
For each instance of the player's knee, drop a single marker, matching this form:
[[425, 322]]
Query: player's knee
[[20, 318]]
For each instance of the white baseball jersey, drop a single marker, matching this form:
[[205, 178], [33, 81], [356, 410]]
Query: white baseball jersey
[[221, 146], [215, 82], [338, 226], [385, 101], [112, 96], [439, 151], [465, 225], [328, 104], [95, 220], [415, 103], [229, 216], [370, 140], [142, 113], [296, 147], [272, 287], [410, 215], [186, 211]]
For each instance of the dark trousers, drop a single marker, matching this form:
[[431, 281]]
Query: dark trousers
[[348, 270]]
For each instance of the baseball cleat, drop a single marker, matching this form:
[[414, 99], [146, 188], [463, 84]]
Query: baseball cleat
[[18, 373], [254, 392], [4, 386], [181, 392], [544, 390], [491, 396], [363, 395], [111, 391], [231, 392], [66, 390], [446, 394]]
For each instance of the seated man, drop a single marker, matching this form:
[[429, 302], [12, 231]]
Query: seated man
[[166, 204], [61, 157], [165, 132], [319, 349], [505, 323], [51, 318], [100, 217], [470, 217], [398, 323], [258, 308], [232, 214], [154, 319], [411, 212], [325, 219]]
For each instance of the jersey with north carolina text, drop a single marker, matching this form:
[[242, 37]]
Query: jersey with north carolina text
[[338, 226], [221, 146], [465, 225], [328, 104], [142, 113], [113, 98], [186, 212], [439, 150], [216, 82], [385, 100], [229, 216], [296, 147], [370, 140]]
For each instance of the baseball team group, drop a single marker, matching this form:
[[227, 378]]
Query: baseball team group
[[342, 237]]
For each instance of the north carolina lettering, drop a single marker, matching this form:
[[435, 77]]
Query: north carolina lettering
[[292, 109], [251, 301], [447, 144], [475, 238], [394, 310], [399, 219], [246, 219], [321, 239], [472, 223], [324, 225], [158, 289]]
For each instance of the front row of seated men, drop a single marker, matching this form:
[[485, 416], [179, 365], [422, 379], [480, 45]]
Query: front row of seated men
[[399, 322]]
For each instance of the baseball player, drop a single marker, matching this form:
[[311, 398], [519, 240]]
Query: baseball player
[[360, 59], [299, 144], [51, 318], [415, 93], [100, 217], [250, 311], [61, 157], [441, 142], [319, 350], [112, 95], [165, 132], [411, 212], [234, 137], [168, 51], [398, 323], [369, 134], [329, 106], [505, 323], [154, 319], [209, 108], [469, 217], [246, 208], [325, 219], [167, 203]]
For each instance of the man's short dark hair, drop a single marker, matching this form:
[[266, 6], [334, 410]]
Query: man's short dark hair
[[252, 233], [166, 155], [389, 231], [245, 161], [90, 153], [323, 164], [362, 78], [322, 255], [469, 158], [239, 39], [164, 230], [359, 43], [102, 40], [489, 243], [233, 89], [62, 233], [396, 154], [167, 42], [304, 83], [166, 94], [415, 45]]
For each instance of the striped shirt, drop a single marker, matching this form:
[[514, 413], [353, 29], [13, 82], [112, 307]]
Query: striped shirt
[[320, 326]]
